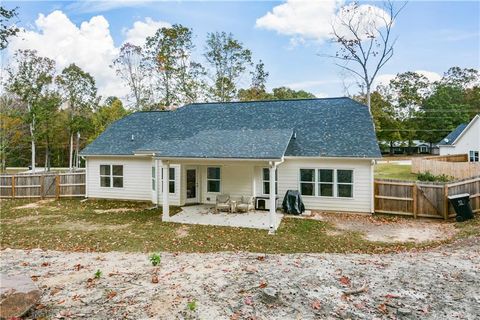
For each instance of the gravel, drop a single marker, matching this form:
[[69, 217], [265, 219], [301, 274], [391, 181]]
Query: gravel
[[442, 283]]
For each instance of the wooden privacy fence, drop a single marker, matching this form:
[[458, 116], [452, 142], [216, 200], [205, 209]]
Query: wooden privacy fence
[[43, 185], [423, 199], [456, 166]]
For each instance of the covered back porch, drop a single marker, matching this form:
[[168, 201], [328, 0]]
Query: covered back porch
[[204, 214], [200, 182]]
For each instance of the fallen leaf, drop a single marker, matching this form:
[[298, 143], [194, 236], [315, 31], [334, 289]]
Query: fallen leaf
[[383, 308], [344, 280], [316, 304], [45, 264], [263, 284], [248, 301], [111, 294]]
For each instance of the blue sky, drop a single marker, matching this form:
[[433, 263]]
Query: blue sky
[[432, 36]]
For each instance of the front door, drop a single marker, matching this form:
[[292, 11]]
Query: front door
[[192, 189]]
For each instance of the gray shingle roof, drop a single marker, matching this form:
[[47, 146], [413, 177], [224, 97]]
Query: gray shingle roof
[[330, 127], [452, 136]]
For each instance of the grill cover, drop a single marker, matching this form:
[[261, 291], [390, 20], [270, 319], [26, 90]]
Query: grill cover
[[292, 203]]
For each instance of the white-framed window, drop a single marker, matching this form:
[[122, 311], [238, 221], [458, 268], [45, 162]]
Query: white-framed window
[[213, 179], [171, 180], [326, 182], [345, 183], [473, 156], [307, 182], [111, 175], [266, 181], [154, 178]]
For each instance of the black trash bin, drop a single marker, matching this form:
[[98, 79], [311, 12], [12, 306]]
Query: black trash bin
[[292, 203], [461, 204]]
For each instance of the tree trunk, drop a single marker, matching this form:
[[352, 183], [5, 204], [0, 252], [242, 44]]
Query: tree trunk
[[391, 148], [32, 134], [70, 159], [369, 101], [77, 151]]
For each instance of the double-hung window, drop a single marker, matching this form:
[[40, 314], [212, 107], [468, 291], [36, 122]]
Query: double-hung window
[[345, 183], [307, 182], [266, 181], [326, 182], [473, 156], [213, 179], [171, 180], [111, 176]]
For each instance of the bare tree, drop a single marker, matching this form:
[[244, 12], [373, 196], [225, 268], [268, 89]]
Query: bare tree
[[131, 68], [364, 36]]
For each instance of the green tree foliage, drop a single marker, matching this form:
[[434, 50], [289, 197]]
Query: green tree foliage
[[106, 114], [228, 60], [176, 76], [79, 93], [28, 79], [287, 93], [7, 28]]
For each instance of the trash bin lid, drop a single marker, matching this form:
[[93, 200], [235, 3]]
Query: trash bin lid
[[461, 195]]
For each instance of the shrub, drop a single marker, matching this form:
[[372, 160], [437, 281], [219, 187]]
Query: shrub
[[155, 259], [427, 176], [98, 274]]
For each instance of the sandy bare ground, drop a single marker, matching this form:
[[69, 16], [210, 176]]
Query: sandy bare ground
[[439, 284], [389, 230]]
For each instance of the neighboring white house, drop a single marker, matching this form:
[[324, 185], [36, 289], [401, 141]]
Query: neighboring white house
[[465, 139], [325, 148]]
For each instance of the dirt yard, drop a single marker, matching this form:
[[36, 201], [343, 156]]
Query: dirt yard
[[389, 229], [438, 284]]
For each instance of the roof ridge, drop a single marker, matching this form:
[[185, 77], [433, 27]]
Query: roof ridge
[[269, 100]]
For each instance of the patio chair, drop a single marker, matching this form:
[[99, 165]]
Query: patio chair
[[245, 204], [222, 203]]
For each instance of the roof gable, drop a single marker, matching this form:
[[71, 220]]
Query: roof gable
[[452, 138], [331, 127]]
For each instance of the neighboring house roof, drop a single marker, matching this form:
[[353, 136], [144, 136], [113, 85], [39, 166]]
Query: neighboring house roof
[[329, 127], [452, 136]]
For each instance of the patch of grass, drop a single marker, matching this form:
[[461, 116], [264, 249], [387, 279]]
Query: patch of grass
[[469, 228], [141, 230], [394, 171]]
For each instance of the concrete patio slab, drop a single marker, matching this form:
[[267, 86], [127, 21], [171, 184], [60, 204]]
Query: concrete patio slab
[[204, 215]]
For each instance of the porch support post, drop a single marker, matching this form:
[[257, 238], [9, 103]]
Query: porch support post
[[273, 207], [165, 191], [158, 178]]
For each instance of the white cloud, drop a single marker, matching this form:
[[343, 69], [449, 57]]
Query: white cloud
[[384, 79], [90, 46], [143, 29], [302, 19]]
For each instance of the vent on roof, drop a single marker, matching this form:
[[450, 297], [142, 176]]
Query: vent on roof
[[133, 137], [446, 140], [294, 134]]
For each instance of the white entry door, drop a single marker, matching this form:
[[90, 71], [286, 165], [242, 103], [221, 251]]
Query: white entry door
[[192, 185]]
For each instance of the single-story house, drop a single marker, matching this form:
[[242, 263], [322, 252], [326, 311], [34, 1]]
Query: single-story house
[[465, 139], [402, 147], [325, 148]]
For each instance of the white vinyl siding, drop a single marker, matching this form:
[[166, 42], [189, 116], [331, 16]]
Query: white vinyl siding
[[136, 178], [288, 178], [468, 141]]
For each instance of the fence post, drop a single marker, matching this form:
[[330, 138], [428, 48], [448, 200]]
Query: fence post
[[57, 186], [13, 187], [445, 202], [414, 196], [42, 186]]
